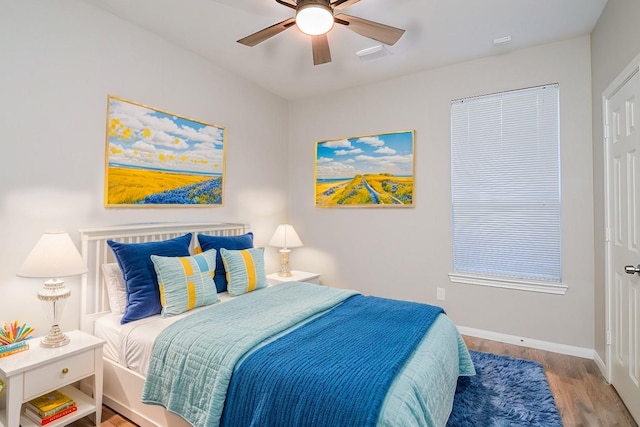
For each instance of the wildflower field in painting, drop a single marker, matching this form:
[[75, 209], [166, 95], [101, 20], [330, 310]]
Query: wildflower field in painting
[[365, 171], [159, 158], [138, 186], [381, 189]]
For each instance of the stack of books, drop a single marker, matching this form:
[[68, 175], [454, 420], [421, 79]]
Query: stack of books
[[50, 407], [14, 347]]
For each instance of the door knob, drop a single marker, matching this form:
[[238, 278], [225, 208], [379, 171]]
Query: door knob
[[630, 269]]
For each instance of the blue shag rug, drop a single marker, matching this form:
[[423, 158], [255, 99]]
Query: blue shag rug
[[504, 392]]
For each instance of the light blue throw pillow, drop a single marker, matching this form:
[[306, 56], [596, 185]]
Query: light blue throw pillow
[[245, 270], [186, 282]]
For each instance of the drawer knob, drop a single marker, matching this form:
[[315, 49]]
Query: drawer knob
[[65, 370]]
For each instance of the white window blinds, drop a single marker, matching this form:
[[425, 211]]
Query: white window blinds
[[505, 178]]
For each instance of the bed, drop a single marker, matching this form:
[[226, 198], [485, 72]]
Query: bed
[[419, 392]]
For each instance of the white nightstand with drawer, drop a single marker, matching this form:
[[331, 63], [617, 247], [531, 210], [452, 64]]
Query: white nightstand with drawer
[[296, 276], [39, 370]]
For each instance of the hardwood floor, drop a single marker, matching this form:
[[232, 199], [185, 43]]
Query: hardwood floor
[[583, 397], [109, 419]]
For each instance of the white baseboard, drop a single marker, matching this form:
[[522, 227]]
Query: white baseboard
[[585, 353], [602, 366]]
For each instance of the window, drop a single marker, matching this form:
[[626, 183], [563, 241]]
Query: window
[[505, 190]]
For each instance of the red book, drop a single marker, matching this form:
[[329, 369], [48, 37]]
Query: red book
[[44, 421]]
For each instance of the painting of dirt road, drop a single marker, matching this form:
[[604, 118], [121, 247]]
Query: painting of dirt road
[[365, 171]]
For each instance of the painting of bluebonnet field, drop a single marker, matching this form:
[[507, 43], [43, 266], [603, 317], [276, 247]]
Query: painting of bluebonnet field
[[365, 171], [156, 158]]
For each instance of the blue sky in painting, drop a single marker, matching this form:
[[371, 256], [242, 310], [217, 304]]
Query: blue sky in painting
[[346, 158], [141, 137]]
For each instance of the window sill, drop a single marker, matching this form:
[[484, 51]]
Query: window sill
[[521, 285]]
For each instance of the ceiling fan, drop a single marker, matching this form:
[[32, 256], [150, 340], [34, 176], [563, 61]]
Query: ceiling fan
[[316, 18]]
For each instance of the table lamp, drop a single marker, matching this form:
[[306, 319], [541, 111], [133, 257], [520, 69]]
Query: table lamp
[[53, 256], [285, 237]]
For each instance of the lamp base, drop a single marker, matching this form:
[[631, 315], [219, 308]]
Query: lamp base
[[53, 296], [55, 338], [284, 263]]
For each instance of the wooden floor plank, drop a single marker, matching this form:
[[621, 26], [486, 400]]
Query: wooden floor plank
[[583, 397]]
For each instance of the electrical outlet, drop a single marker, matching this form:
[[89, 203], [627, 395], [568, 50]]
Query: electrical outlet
[[440, 294]]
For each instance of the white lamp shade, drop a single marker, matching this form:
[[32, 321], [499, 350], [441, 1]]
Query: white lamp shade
[[54, 255], [314, 19], [285, 237]]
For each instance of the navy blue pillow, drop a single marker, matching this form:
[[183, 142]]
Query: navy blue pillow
[[244, 241], [134, 259]]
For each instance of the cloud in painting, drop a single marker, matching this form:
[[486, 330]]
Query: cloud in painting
[[385, 153], [139, 136]]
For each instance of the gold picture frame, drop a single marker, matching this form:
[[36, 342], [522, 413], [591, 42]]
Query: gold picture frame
[[154, 158], [365, 171]]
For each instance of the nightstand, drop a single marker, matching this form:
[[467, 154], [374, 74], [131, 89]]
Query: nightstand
[[39, 370], [296, 276]]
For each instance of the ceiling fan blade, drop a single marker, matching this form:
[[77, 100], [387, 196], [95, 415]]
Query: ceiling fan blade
[[268, 32], [321, 51], [374, 30], [343, 4], [289, 3]]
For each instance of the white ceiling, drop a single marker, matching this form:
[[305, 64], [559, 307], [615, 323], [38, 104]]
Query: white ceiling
[[438, 32]]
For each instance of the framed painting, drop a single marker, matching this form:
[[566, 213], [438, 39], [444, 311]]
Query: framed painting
[[156, 158], [365, 171]]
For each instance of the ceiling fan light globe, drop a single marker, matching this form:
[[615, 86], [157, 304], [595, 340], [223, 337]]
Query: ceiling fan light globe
[[314, 19]]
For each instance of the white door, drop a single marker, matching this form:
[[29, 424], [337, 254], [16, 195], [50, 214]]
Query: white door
[[622, 116]]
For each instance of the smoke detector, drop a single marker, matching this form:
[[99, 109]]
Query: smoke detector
[[502, 40], [373, 52]]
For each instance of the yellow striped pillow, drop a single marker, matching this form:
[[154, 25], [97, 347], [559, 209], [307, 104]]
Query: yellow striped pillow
[[186, 282], [245, 270]]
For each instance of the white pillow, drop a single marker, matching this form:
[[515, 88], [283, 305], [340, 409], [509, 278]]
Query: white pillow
[[116, 289]]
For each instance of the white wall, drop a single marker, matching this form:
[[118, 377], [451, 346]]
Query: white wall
[[406, 253], [61, 58], [58, 62], [615, 41]]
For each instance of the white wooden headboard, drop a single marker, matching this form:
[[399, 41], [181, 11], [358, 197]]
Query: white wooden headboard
[[95, 251]]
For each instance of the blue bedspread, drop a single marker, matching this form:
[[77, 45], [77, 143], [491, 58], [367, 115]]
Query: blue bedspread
[[193, 359], [333, 371]]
